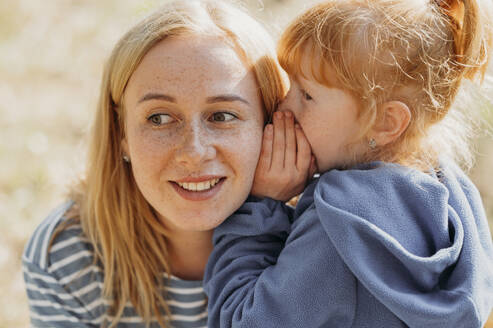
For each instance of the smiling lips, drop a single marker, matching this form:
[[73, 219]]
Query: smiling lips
[[198, 186], [197, 189]]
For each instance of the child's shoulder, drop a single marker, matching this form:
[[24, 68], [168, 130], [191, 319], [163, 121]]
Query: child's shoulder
[[395, 200], [410, 207], [396, 183], [382, 183], [375, 176], [49, 245]]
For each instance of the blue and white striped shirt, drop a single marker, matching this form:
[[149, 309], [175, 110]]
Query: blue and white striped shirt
[[64, 286]]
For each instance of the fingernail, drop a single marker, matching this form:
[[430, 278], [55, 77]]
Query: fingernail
[[268, 129], [288, 114], [278, 115], [297, 126]]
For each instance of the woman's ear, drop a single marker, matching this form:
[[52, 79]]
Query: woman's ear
[[395, 120]]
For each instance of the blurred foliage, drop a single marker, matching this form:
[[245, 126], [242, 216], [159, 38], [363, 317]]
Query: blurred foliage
[[51, 58]]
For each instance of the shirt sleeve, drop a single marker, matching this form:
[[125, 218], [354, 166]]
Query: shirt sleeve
[[50, 304], [257, 275]]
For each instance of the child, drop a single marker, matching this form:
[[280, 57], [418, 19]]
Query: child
[[393, 233]]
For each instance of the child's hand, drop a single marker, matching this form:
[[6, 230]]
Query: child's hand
[[285, 161]]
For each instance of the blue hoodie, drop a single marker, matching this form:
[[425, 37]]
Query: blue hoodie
[[380, 245]]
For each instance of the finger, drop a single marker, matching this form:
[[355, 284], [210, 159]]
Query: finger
[[313, 168], [303, 156], [290, 151], [265, 159], [279, 142]]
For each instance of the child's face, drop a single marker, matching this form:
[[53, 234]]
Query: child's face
[[328, 116]]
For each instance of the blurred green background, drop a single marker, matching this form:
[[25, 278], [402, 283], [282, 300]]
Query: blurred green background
[[51, 58]]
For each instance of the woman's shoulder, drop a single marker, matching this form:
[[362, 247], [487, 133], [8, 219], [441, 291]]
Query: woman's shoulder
[[63, 283], [56, 241]]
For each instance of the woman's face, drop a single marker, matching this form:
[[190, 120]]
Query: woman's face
[[194, 124]]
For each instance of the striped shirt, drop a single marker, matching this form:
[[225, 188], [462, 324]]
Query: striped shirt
[[64, 286]]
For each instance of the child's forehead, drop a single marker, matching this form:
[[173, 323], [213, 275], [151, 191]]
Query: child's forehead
[[314, 67], [313, 60]]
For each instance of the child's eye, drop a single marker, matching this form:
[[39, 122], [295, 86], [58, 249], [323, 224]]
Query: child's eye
[[306, 95], [222, 117], [160, 119]]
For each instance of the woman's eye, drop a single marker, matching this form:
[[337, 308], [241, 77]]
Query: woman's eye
[[222, 117], [160, 119], [306, 95]]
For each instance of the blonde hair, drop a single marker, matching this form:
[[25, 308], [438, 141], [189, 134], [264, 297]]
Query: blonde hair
[[417, 52], [128, 239]]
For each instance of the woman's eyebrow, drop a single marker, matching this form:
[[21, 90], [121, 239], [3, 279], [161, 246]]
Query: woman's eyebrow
[[156, 96], [226, 98], [210, 100]]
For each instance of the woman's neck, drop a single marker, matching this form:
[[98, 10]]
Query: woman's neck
[[188, 252]]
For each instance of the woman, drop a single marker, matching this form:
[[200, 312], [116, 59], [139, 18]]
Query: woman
[[175, 143]]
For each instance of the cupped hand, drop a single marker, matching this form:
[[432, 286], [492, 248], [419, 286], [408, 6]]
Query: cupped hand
[[286, 162]]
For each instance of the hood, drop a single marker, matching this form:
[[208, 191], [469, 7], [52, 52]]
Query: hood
[[420, 243]]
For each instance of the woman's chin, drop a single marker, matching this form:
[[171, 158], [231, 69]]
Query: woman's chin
[[205, 220]]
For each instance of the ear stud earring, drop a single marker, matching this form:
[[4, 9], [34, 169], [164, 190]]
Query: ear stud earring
[[372, 143], [126, 159]]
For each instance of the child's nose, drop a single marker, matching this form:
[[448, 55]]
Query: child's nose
[[285, 104]]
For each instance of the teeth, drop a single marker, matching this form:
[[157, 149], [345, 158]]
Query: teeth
[[198, 186]]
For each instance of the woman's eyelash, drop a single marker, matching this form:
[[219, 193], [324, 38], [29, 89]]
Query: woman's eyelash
[[159, 119], [306, 95], [223, 117], [217, 117]]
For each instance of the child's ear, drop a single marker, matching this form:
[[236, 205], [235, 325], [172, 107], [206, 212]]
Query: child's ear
[[395, 120]]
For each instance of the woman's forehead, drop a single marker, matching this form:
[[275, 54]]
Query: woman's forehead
[[192, 66], [192, 56]]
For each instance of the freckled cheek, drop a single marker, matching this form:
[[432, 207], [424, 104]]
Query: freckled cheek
[[149, 149], [243, 150]]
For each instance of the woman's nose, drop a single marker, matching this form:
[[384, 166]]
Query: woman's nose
[[197, 146]]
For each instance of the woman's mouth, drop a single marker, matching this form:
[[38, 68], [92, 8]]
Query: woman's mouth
[[198, 188]]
